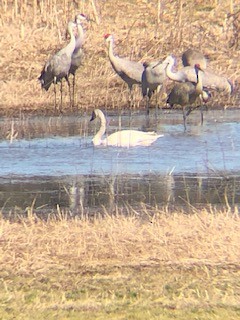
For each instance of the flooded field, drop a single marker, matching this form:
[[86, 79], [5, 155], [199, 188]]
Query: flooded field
[[48, 162]]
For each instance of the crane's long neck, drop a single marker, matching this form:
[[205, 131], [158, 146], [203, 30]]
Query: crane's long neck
[[97, 140], [80, 38], [199, 85], [110, 50], [71, 46], [175, 76]]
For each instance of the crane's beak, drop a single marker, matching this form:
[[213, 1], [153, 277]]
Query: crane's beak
[[198, 67], [157, 64]]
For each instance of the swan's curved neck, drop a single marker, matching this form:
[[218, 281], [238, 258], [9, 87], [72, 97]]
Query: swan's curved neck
[[97, 140]]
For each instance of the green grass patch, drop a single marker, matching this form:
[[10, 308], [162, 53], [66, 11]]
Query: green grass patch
[[140, 292], [166, 266]]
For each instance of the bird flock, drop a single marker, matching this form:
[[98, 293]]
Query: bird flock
[[193, 83], [66, 61]]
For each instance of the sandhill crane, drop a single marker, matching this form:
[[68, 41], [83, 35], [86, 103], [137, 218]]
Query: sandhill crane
[[77, 55], [153, 78], [57, 67], [191, 57], [129, 71], [124, 138], [187, 93], [209, 79]]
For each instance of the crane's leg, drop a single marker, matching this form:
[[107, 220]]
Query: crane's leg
[[201, 110], [192, 109], [73, 94], [130, 104], [61, 91], [158, 96], [184, 118], [147, 105], [120, 120], [148, 98], [160, 91], [55, 96], [69, 92], [130, 100]]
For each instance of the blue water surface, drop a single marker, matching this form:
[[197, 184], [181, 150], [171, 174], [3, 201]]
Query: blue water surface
[[213, 147]]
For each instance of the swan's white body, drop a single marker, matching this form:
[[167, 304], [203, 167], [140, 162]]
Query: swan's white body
[[124, 138]]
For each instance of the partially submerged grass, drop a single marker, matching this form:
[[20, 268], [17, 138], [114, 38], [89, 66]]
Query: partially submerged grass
[[117, 267]]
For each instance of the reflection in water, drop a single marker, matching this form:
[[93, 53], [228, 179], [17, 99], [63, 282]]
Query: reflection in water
[[49, 162], [212, 147], [83, 194], [32, 127]]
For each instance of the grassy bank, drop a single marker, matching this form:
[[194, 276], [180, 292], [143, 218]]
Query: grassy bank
[[144, 30], [163, 266]]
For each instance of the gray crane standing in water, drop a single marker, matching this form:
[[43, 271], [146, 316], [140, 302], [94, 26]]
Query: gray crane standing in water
[[78, 53], [58, 66], [186, 93], [153, 78], [190, 57], [129, 71], [210, 80]]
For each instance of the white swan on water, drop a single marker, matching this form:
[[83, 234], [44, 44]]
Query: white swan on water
[[124, 138]]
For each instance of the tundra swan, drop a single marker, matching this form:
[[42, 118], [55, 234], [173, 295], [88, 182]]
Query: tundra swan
[[124, 138]]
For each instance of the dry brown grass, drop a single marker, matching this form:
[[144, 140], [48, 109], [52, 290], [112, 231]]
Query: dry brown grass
[[32, 30], [116, 267], [35, 246]]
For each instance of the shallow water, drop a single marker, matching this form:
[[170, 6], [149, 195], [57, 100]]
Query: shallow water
[[53, 161]]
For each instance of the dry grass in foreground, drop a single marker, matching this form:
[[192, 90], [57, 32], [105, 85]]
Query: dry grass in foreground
[[203, 238], [118, 267]]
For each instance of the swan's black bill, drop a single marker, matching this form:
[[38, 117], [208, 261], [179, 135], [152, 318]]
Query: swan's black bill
[[93, 116]]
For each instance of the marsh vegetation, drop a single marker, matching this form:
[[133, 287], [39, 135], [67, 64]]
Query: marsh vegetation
[[143, 31], [143, 262]]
